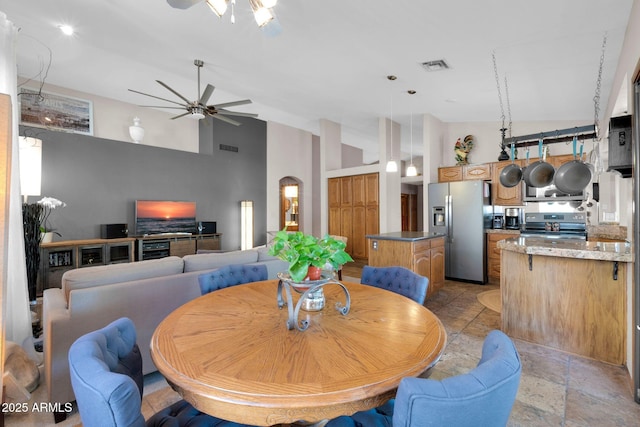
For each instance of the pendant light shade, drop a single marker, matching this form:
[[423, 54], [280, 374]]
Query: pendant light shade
[[262, 14], [411, 169], [392, 166]]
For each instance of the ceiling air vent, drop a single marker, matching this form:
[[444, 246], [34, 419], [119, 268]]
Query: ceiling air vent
[[437, 65], [231, 148]]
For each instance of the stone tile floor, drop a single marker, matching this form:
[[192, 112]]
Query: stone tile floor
[[556, 389]]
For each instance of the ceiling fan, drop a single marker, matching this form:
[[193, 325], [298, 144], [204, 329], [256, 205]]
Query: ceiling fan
[[199, 109], [262, 11]]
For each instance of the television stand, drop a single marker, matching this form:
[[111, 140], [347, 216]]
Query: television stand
[[174, 244]]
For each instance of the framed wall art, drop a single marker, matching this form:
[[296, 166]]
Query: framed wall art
[[56, 112]]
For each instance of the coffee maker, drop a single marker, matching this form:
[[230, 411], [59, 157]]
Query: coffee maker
[[512, 218]]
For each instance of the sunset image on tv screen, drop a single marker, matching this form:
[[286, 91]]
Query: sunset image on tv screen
[[155, 217]]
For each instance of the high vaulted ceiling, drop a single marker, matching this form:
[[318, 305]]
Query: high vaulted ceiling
[[331, 59]]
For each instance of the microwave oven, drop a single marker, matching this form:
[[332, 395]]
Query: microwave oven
[[549, 194]]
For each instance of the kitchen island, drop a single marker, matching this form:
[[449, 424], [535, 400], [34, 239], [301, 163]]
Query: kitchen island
[[566, 294], [420, 252]]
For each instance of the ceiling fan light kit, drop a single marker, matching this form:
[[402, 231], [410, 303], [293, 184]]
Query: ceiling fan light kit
[[219, 7]]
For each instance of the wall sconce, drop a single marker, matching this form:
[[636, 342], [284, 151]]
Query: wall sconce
[[246, 224], [136, 131], [30, 161]]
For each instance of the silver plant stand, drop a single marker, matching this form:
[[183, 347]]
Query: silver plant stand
[[312, 298]]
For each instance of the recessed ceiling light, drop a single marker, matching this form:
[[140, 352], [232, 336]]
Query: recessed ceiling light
[[66, 29], [437, 65]]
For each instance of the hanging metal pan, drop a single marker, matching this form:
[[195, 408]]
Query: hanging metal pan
[[511, 175], [572, 177], [540, 173]]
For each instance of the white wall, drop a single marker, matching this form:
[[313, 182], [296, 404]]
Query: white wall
[[111, 120], [289, 153]]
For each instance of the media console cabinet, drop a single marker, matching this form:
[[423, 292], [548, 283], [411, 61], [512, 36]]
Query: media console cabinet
[[58, 257]]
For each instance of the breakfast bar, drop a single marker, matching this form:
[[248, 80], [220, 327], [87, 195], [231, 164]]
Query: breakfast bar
[[566, 294]]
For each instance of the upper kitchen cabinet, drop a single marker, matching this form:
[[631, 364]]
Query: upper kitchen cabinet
[[558, 161], [465, 172], [481, 171], [501, 195], [450, 173]]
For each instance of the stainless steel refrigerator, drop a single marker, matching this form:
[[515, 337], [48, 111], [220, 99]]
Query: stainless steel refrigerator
[[462, 210]]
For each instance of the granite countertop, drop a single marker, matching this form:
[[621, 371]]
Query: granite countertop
[[409, 236], [502, 231], [569, 248], [607, 231]]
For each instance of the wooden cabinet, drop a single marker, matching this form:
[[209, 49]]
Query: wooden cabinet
[[570, 304], [353, 210], [58, 257], [424, 257], [436, 279], [481, 171], [501, 195], [493, 254], [465, 172], [154, 247], [558, 161], [450, 173]]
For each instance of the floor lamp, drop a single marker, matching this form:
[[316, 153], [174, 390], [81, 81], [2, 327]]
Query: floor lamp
[[246, 224]]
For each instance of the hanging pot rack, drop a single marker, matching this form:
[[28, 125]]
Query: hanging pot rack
[[553, 137]]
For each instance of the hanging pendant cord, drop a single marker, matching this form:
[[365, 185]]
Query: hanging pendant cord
[[596, 97]]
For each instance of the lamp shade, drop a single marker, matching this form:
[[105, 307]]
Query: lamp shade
[[411, 170], [392, 166], [30, 166]]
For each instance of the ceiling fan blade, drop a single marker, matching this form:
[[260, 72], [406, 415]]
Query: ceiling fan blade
[[162, 106], [229, 104], [174, 92], [236, 113], [226, 119], [157, 97], [181, 115], [208, 91], [182, 4]]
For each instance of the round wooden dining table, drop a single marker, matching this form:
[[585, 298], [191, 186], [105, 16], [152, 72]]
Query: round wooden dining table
[[229, 353]]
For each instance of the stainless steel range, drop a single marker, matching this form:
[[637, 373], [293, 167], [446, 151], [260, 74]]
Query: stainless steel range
[[555, 225]]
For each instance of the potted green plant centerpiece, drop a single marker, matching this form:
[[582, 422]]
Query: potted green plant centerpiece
[[307, 255]]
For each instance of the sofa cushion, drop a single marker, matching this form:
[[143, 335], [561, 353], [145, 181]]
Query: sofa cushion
[[263, 254], [211, 261], [88, 277]]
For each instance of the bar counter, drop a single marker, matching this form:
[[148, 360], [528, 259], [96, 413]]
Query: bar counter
[[569, 248], [566, 294]]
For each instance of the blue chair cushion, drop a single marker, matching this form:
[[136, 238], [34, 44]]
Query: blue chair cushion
[[231, 275], [397, 279], [484, 396]]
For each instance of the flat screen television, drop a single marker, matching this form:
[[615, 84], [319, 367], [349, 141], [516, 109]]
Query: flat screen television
[[164, 216]]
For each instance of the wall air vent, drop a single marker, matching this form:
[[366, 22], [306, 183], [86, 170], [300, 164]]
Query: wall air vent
[[231, 148], [437, 65]]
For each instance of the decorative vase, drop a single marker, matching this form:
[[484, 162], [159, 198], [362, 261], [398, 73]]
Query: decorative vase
[[313, 300], [46, 237]]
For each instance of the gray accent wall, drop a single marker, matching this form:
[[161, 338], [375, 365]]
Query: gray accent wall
[[100, 179]]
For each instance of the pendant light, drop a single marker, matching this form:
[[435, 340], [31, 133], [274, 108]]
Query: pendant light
[[392, 166], [411, 169]]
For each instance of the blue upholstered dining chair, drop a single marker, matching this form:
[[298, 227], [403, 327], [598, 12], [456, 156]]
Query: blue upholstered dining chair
[[397, 279], [482, 397], [231, 275], [106, 376]]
